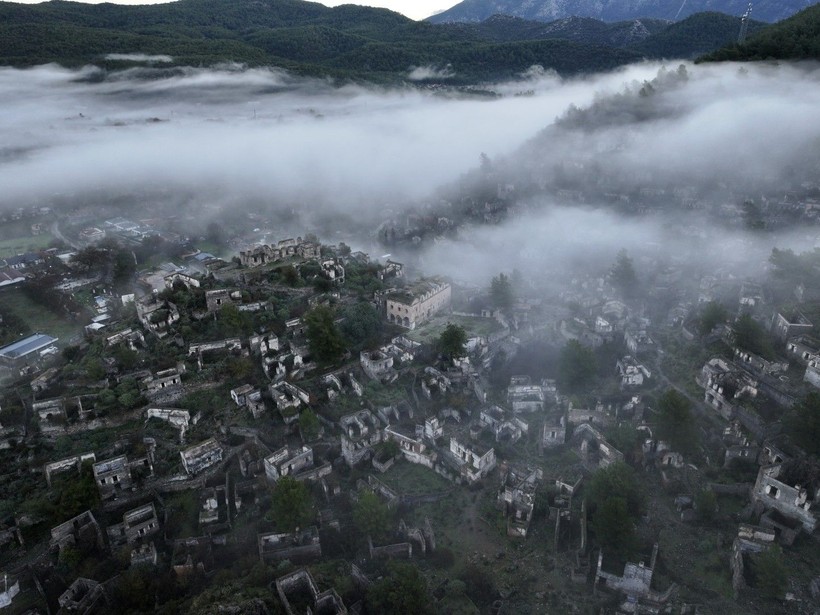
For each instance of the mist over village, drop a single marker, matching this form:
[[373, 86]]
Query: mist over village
[[325, 310]]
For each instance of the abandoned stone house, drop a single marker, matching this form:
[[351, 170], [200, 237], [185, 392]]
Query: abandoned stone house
[[264, 344], [638, 341], [791, 490], [635, 584], [83, 596], [178, 418], [598, 417], [341, 383], [137, 524], [725, 385], [415, 305], [333, 271], [632, 373], [300, 584], [180, 277], [517, 498], [433, 382], [788, 325], [44, 380], [215, 300], [301, 546], [80, 530], [361, 431], [201, 456], [776, 450], [525, 397], [502, 424], [286, 248], [144, 555], [162, 383], [74, 463], [472, 461], [288, 399], [411, 448], [113, 476], [391, 269], [128, 336], [594, 448], [554, 432], [432, 429], [157, 315], [298, 464], [376, 364], [812, 375], [737, 445], [214, 512], [48, 410], [803, 349], [603, 326], [240, 394], [750, 539]]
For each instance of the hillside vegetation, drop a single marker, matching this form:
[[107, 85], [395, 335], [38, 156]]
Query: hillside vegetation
[[348, 42], [796, 38]]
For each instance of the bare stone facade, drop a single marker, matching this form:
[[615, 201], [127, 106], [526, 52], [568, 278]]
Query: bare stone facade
[[201, 456], [411, 307]]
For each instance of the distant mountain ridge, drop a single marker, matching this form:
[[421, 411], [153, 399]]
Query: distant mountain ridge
[[347, 42], [475, 11]]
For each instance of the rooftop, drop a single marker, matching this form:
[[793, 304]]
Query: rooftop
[[26, 346]]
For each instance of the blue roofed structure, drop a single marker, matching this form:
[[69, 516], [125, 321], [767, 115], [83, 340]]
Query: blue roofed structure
[[21, 350]]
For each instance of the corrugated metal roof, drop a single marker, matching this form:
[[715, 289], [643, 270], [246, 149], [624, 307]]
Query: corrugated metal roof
[[27, 345]]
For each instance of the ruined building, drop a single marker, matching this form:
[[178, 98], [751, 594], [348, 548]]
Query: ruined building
[[416, 304]]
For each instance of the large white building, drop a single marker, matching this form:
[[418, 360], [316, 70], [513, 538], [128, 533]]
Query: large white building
[[412, 306]]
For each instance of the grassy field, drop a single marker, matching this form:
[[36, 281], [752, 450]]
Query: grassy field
[[409, 478], [20, 245], [472, 325], [37, 317]]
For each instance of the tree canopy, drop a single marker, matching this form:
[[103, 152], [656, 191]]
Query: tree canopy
[[770, 574], [501, 292], [616, 500], [291, 504], [577, 366], [676, 424], [362, 324], [622, 275], [712, 314], [326, 343], [614, 528], [803, 423], [371, 516], [403, 590], [452, 341], [617, 480], [752, 337]]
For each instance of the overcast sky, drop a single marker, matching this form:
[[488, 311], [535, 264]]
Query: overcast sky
[[415, 9]]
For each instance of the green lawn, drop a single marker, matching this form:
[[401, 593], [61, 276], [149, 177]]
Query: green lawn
[[37, 317], [473, 325], [20, 245], [410, 478]]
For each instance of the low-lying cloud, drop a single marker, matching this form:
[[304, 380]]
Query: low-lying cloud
[[423, 73], [140, 57], [231, 135]]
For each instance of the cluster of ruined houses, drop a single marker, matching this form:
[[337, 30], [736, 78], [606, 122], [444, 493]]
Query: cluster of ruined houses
[[135, 517], [332, 268], [781, 502]]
